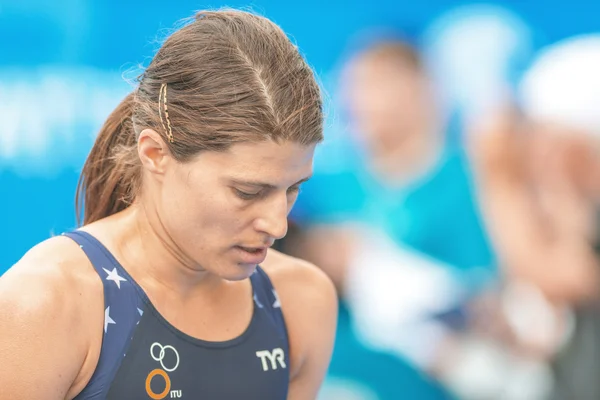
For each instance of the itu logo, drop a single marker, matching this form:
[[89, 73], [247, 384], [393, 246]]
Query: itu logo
[[168, 358]]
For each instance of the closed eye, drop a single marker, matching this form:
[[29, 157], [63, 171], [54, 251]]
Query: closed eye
[[253, 195], [246, 195]]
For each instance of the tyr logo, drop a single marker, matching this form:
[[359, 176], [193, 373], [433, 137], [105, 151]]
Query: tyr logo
[[275, 356]]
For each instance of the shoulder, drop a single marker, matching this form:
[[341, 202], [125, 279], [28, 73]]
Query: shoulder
[[48, 314], [54, 267], [309, 303], [300, 280], [53, 279]]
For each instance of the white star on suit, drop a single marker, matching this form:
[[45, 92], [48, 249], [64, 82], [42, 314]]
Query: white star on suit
[[114, 276], [276, 304], [107, 319], [258, 303]]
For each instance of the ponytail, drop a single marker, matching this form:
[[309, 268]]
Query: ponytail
[[110, 174]]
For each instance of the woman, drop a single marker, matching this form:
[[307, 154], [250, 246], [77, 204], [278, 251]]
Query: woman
[[158, 295]]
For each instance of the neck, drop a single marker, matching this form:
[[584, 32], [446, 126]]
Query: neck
[[153, 258], [397, 169]]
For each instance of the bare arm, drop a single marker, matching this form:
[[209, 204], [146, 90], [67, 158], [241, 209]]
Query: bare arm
[[309, 303], [42, 340]]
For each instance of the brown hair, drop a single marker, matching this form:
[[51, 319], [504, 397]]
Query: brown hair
[[230, 77]]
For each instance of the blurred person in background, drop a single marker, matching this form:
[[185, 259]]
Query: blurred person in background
[[400, 235], [411, 181], [539, 184]]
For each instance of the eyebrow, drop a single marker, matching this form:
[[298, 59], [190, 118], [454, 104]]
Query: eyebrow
[[264, 184]]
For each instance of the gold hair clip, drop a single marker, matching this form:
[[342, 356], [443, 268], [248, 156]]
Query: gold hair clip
[[163, 95]]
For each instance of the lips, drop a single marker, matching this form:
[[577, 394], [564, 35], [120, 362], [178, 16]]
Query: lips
[[251, 255]]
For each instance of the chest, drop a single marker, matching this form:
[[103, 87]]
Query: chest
[[160, 365], [154, 360]]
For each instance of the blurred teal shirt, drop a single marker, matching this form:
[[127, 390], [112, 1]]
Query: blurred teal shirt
[[437, 215]]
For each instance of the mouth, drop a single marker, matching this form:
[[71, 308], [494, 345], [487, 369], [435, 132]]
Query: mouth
[[252, 255]]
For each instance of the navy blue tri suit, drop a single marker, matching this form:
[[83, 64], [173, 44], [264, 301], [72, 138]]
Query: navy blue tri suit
[[145, 357]]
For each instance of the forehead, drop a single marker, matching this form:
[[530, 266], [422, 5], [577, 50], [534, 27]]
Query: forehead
[[265, 159], [368, 68], [368, 81]]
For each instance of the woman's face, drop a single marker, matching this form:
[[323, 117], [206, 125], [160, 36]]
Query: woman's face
[[223, 210], [393, 116]]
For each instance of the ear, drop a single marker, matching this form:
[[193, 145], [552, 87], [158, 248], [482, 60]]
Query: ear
[[153, 151]]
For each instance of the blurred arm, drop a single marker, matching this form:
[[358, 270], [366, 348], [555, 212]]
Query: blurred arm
[[330, 247], [549, 249]]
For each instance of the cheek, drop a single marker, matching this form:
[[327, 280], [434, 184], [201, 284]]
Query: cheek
[[200, 214]]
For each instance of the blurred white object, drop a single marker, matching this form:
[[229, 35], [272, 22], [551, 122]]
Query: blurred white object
[[534, 320], [393, 293], [483, 370], [475, 53], [51, 115], [563, 84]]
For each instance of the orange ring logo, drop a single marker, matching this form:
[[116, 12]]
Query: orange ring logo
[[165, 392]]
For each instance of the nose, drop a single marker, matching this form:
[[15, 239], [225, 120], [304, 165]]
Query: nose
[[273, 220]]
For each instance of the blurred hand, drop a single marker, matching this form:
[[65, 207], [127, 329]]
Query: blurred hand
[[496, 145]]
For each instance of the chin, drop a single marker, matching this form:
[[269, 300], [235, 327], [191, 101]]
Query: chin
[[237, 272]]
